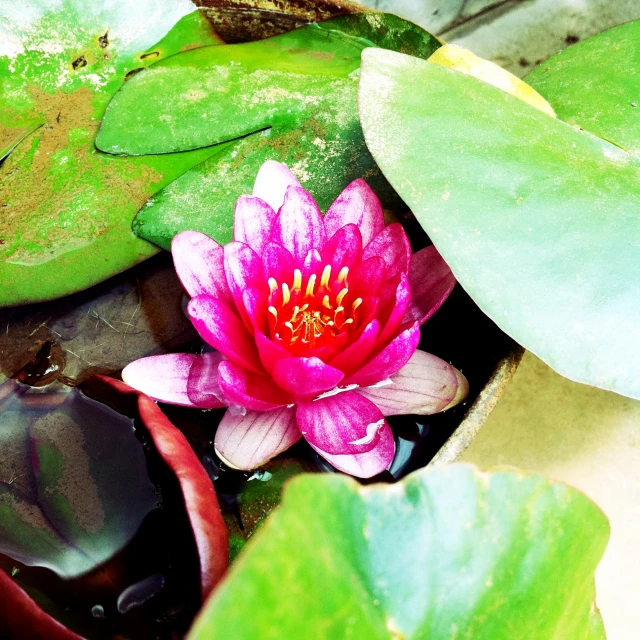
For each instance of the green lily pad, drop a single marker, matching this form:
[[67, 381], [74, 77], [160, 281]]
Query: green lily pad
[[446, 553], [596, 85], [75, 487], [536, 218], [293, 97], [67, 209]]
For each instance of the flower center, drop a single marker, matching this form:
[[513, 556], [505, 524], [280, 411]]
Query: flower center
[[312, 314]]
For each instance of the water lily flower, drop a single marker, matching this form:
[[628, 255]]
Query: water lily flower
[[315, 322]]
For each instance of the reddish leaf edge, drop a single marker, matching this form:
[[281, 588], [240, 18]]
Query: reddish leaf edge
[[201, 502], [21, 618]]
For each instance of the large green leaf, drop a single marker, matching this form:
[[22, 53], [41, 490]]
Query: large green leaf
[[298, 88], [67, 209], [537, 219], [595, 84], [446, 553], [75, 487]]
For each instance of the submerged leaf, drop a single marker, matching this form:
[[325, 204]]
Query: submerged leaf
[[537, 219], [67, 209], [292, 96], [75, 487], [448, 551]]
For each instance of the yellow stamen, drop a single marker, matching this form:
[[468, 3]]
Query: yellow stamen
[[341, 295], [344, 272], [326, 303], [286, 294], [289, 325], [273, 285], [337, 311], [273, 312], [297, 280], [356, 303], [311, 284], [349, 321], [296, 310], [326, 274]]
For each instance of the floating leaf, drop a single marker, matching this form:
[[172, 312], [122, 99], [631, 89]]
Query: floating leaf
[[299, 89], [67, 209], [75, 488], [537, 219], [445, 553], [196, 487]]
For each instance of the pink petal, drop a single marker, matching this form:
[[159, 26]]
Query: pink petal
[[305, 377], [202, 386], [344, 423], [255, 304], [248, 441], [401, 301], [343, 250], [431, 283], [220, 327], [277, 263], [165, 378], [243, 268], [250, 391], [425, 385], [392, 358], [270, 351], [359, 205], [357, 352], [312, 263], [299, 227], [367, 277], [252, 222], [272, 182], [199, 264], [392, 245], [369, 463]]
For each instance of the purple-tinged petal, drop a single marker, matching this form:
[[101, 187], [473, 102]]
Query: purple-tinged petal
[[344, 423], [202, 385], [369, 463], [392, 245], [220, 327], [299, 227], [344, 249], [248, 441], [359, 351], [392, 358], [250, 391], [431, 283], [395, 316], [425, 385], [305, 377], [243, 268], [277, 263], [199, 263], [252, 222], [359, 205], [165, 378], [272, 182]]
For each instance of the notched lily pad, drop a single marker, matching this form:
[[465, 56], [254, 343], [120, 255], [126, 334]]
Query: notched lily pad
[[450, 552], [292, 96], [67, 209], [74, 486]]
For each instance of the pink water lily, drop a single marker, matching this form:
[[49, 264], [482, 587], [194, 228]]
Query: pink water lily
[[315, 322]]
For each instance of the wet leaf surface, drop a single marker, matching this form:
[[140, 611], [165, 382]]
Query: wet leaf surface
[[293, 97], [67, 209], [483, 555], [537, 219], [74, 487]]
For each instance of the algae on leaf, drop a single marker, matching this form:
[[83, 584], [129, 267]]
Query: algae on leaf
[[290, 98], [66, 209]]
